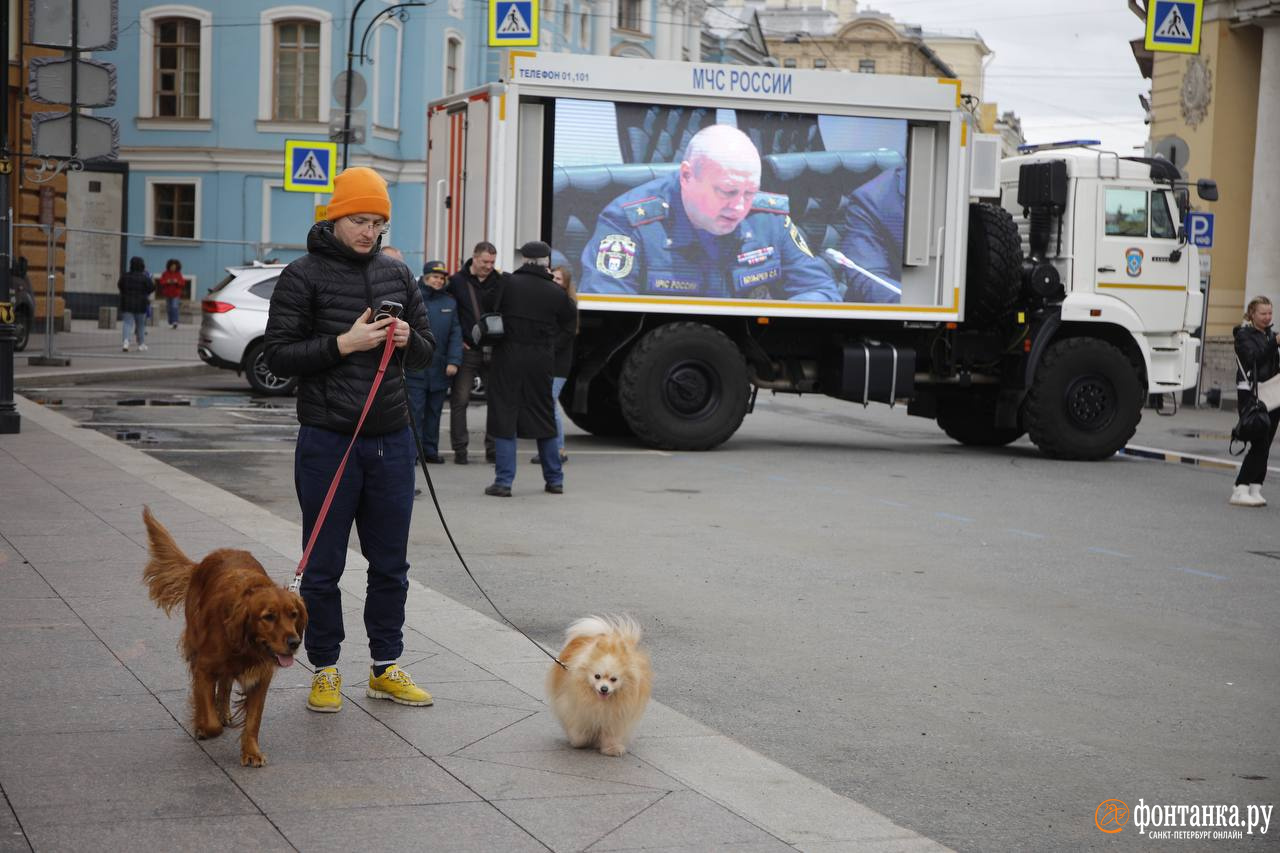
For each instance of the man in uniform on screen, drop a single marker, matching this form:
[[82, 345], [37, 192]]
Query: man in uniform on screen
[[705, 231]]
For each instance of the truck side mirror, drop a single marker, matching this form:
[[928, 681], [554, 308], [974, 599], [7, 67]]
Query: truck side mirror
[[1207, 189], [1183, 200]]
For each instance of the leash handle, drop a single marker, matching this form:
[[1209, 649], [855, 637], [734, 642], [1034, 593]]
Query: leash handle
[[337, 477]]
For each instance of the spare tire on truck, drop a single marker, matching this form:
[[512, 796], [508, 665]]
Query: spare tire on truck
[[993, 274], [1085, 401], [684, 386]]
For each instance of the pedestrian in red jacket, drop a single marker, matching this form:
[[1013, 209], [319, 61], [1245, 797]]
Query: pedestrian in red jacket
[[172, 286]]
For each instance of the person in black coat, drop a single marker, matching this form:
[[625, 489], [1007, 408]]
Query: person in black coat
[[321, 329], [1258, 349], [135, 288], [535, 314]]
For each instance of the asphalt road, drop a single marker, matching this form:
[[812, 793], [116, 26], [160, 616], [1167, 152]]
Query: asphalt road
[[982, 645]]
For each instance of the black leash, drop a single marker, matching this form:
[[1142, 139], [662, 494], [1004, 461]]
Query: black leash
[[422, 463]]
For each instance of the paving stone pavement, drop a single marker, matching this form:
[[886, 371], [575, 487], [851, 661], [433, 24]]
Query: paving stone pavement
[[96, 750]]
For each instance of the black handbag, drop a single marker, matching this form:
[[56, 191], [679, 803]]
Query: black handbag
[[488, 329], [1255, 421]]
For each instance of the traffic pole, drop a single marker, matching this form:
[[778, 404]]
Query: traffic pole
[[10, 420]]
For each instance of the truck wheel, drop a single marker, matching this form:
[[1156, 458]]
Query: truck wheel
[[260, 377], [994, 270], [972, 421], [603, 416], [684, 387], [1085, 402], [21, 329]]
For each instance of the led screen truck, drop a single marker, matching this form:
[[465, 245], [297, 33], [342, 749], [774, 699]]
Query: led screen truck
[[732, 229]]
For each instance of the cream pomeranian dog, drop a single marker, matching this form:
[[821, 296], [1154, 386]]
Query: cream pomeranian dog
[[600, 693]]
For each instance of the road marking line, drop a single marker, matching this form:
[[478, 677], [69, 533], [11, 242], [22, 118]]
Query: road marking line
[[951, 517], [1200, 573], [1108, 552], [1026, 533]]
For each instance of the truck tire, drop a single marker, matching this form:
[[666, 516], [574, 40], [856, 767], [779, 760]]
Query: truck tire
[[260, 377], [1085, 401], [972, 421], [603, 416], [994, 271], [684, 387]]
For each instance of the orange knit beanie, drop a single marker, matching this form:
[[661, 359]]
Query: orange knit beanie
[[359, 190]]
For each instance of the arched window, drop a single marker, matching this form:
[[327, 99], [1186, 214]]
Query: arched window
[[294, 65], [452, 64]]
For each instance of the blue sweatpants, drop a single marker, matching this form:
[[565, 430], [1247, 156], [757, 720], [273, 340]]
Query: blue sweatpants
[[376, 494]]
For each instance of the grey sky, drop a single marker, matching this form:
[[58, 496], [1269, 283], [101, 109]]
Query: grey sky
[[1064, 67]]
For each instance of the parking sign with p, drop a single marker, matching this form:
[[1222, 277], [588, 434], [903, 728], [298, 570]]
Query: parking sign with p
[[1200, 230]]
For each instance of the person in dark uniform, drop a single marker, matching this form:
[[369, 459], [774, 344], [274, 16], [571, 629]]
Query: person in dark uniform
[[428, 387], [706, 231], [535, 313], [871, 238]]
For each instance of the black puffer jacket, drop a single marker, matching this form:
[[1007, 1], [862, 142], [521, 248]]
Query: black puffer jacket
[[135, 289], [463, 285], [1257, 347], [317, 298]]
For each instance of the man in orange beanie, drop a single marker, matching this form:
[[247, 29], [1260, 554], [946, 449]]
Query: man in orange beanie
[[321, 329]]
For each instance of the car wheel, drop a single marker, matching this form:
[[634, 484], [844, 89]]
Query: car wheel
[[260, 377], [21, 330]]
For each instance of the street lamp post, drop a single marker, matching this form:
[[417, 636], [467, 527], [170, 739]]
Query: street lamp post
[[351, 54]]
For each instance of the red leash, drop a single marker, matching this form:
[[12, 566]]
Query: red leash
[[337, 478]]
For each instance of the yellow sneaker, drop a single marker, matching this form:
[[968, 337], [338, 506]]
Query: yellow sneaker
[[396, 685], [326, 691]]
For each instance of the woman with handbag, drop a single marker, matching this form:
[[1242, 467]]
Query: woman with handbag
[[1258, 351]]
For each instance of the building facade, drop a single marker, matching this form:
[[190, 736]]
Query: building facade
[[209, 92]]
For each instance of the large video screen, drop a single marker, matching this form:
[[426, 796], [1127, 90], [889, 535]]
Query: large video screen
[[692, 202]]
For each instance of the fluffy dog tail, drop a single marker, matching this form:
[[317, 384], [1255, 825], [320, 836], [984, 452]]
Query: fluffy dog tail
[[169, 571], [623, 627]]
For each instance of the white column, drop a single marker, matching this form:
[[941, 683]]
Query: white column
[[603, 16], [1263, 275], [693, 30], [662, 29]]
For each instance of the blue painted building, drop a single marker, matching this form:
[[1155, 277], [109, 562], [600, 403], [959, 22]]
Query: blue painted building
[[210, 91]]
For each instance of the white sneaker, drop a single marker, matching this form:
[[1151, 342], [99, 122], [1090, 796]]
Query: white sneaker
[[1255, 492], [124, 347], [142, 347], [1240, 497]]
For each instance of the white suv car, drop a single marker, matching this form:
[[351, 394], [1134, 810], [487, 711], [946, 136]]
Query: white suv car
[[235, 322]]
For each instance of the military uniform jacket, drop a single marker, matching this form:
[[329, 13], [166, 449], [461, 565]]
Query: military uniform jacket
[[644, 243], [872, 236], [442, 315], [535, 313]]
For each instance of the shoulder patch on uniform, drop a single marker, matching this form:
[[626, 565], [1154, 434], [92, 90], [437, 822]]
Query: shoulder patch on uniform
[[796, 236], [645, 210], [771, 202], [616, 255]]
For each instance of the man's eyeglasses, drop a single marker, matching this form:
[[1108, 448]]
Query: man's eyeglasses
[[377, 226]]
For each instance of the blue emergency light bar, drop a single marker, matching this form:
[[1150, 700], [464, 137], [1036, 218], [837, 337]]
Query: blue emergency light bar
[[1032, 148]]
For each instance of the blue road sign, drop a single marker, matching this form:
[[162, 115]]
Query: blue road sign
[[1174, 25], [1200, 230], [309, 166], [513, 23]]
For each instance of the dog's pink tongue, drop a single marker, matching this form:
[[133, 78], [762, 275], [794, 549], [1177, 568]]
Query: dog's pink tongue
[[284, 660]]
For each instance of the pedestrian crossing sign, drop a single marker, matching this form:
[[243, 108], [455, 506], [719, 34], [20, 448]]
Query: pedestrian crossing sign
[[309, 166], [513, 23], [1174, 25]]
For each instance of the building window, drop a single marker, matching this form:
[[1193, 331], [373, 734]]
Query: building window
[[584, 29], [789, 62], [297, 71], [819, 63], [629, 15], [173, 210], [452, 57], [866, 66], [565, 22], [177, 68]]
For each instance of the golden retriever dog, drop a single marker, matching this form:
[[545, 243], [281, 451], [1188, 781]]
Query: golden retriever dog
[[240, 626], [601, 692]]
